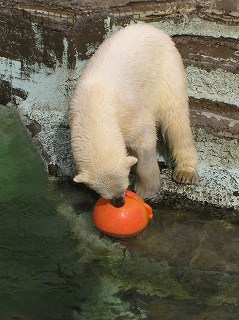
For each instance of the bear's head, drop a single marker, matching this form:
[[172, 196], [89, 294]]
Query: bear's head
[[109, 180]]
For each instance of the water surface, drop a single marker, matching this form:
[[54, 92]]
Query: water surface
[[54, 264]]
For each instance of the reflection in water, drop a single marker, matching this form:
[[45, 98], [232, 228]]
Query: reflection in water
[[55, 265]]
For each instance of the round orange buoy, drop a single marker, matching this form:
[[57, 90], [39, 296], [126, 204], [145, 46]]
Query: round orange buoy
[[125, 221]]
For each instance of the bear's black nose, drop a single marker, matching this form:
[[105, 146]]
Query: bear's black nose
[[118, 202]]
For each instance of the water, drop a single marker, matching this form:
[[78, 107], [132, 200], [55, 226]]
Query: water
[[54, 264], [34, 241]]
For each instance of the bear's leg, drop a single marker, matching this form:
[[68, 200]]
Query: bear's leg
[[147, 173], [181, 144]]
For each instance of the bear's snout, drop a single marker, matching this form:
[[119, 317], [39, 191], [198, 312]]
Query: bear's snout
[[118, 202]]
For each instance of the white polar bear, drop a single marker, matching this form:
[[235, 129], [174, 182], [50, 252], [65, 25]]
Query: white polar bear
[[133, 84]]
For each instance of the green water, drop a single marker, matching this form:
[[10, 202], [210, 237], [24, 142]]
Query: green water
[[34, 241], [55, 265]]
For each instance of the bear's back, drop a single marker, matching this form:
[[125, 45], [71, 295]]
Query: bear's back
[[136, 47], [133, 72], [137, 63]]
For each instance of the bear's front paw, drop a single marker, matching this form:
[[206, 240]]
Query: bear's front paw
[[147, 191], [186, 176]]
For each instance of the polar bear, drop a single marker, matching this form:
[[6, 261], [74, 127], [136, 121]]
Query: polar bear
[[132, 86]]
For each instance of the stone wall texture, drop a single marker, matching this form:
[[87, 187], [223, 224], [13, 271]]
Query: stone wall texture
[[45, 44]]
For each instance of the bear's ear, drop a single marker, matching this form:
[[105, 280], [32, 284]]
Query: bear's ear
[[81, 178], [131, 160]]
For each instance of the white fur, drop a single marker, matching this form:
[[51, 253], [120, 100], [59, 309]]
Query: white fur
[[134, 83]]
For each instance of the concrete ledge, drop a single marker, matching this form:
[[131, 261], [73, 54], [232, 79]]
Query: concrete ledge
[[218, 172], [44, 50]]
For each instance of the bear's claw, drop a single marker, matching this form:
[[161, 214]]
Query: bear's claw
[[185, 176]]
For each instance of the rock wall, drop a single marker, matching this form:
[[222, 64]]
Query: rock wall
[[45, 45]]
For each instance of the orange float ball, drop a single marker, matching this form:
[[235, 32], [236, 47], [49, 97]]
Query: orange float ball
[[125, 221]]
